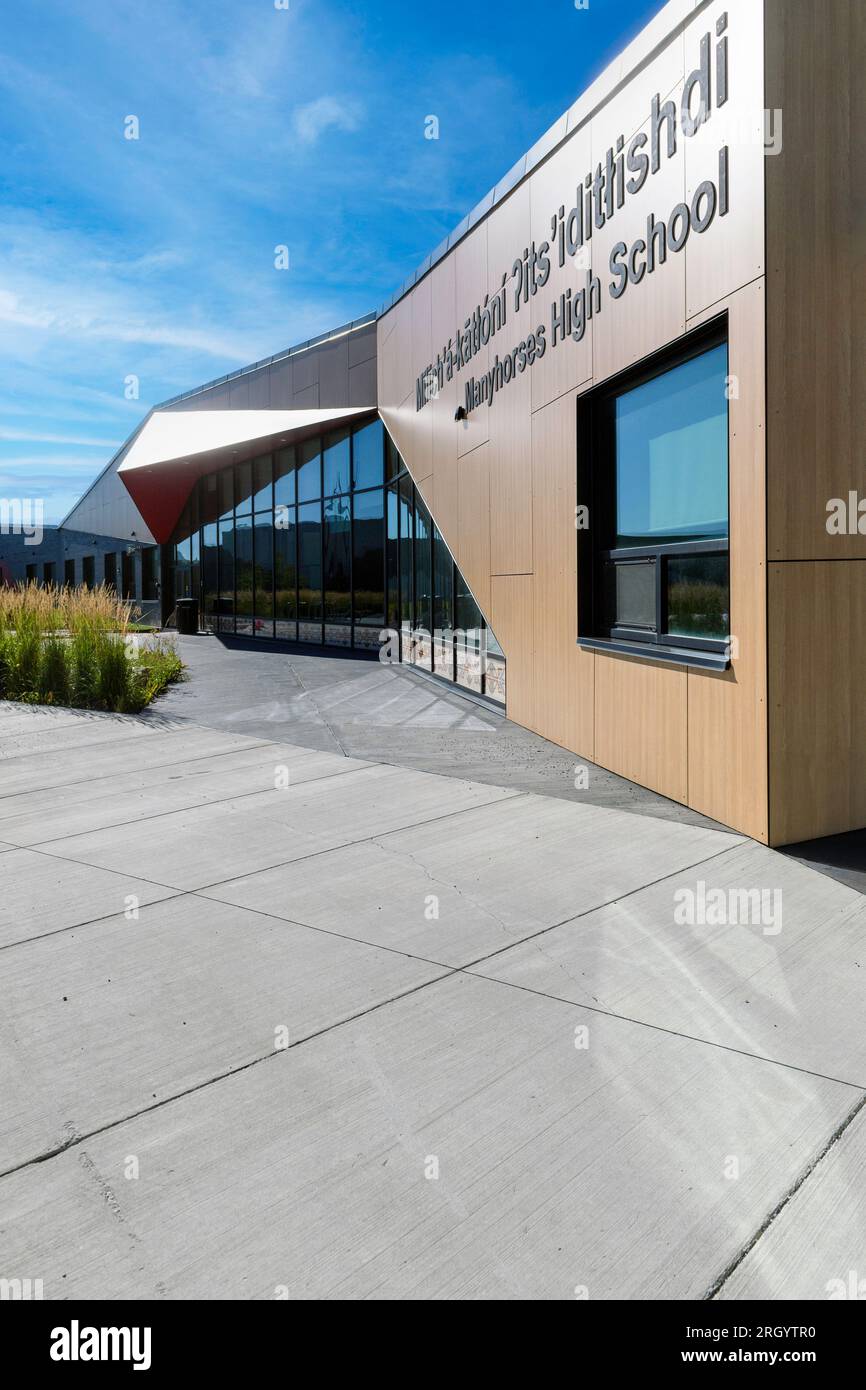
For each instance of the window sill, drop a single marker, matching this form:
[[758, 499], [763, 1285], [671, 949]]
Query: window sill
[[672, 656]]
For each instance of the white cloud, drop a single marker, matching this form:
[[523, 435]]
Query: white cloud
[[325, 113]]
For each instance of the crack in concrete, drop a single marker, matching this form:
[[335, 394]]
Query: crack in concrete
[[716, 1287]]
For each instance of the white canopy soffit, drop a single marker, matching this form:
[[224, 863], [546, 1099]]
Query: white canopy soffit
[[176, 447]]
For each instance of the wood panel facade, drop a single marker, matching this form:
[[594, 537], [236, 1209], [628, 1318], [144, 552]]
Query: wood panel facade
[[502, 483]]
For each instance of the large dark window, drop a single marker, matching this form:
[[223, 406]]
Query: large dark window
[[244, 575], [148, 572], [367, 567], [310, 566], [338, 562], [263, 578], [329, 539], [653, 471]]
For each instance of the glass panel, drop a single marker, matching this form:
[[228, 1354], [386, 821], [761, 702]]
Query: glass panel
[[243, 487], [284, 478], [393, 462], [697, 592], [494, 679], [468, 636], [209, 574], [337, 466], [309, 470], [110, 570], [468, 652], [368, 559], [226, 602], [443, 614], [423, 646], [264, 574], [672, 454], [630, 594], [393, 560], [367, 456], [226, 493], [310, 563], [149, 578], [244, 575], [262, 487], [285, 564], [338, 560], [210, 501], [423, 576], [406, 537], [443, 606], [468, 614]]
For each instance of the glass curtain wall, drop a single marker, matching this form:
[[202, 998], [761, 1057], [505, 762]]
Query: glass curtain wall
[[329, 541]]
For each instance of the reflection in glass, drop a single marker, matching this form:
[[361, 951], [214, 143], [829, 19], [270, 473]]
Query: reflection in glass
[[263, 497], [209, 575], [243, 487], [337, 463], [226, 494], [340, 568], [367, 569], [284, 478], [698, 596], [263, 541], [310, 565], [393, 560], [367, 445], [244, 575], [226, 603], [672, 454], [309, 477], [407, 536], [285, 565], [338, 560]]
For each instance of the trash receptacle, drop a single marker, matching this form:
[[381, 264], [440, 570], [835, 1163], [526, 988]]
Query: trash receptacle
[[187, 616]]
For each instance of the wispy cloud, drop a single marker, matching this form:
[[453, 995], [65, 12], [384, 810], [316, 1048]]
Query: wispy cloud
[[310, 122]]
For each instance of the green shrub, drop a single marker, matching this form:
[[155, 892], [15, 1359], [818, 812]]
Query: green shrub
[[113, 684], [54, 672], [85, 667], [156, 666], [68, 647], [23, 652]]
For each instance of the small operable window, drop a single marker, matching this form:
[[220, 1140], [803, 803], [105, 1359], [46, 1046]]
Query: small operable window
[[653, 475]]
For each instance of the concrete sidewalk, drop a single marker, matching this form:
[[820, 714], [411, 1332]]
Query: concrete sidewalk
[[277, 1018]]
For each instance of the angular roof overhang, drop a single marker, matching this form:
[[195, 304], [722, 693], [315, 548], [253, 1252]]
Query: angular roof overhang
[[174, 448]]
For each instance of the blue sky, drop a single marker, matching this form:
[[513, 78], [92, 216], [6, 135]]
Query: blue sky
[[259, 127]]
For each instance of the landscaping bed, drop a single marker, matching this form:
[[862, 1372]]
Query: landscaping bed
[[78, 647]]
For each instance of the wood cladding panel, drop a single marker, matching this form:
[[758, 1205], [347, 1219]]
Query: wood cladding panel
[[471, 284], [653, 312], [727, 712], [817, 660], [554, 185], [730, 252], [816, 232], [564, 672], [472, 551], [512, 617], [508, 424], [641, 722]]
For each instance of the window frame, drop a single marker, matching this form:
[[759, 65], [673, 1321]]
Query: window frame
[[596, 487]]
